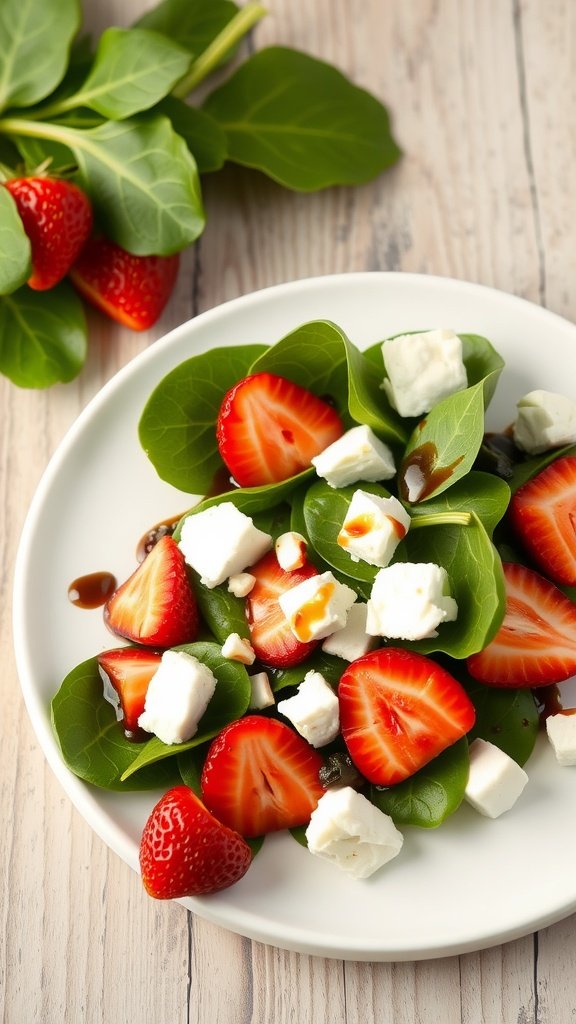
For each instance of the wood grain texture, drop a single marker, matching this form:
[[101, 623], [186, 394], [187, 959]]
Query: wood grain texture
[[482, 96]]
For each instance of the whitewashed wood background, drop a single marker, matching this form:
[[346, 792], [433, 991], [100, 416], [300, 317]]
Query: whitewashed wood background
[[483, 97]]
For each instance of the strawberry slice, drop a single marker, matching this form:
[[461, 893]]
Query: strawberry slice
[[536, 643], [259, 776], [57, 217], [184, 851], [130, 289], [543, 514], [156, 605], [270, 635], [270, 428], [129, 671], [398, 710]]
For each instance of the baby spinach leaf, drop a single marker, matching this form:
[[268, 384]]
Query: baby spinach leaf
[[507, 718], [482, 493], [302, 122], [133, 69], [201, 133], [482, 362], [367, 402], [325, 510], [444, 445], [263, 504], [43, 336], [432, 794], [223, 612], [190, 765], [15, 251], [329, 666], [91, 739], [35, 38], [177, 428], [476, 580], [229, 702], [192, 25]]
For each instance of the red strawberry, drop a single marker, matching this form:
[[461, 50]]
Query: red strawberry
[[270, 634], [184, 851], [156, 605], [260, 776], [543, 514], [131, 289], [269, 429], [536, 643], [129, 670], [57, 217], [398, 710]]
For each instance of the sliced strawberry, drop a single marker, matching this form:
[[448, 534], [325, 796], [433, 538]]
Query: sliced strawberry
[[543, 514], [184, 851], [536, 643], [398, 710], [270, 635], [131, 289], [270, 428], [156, 605], [260, 776], [57, 217], [129, 671]]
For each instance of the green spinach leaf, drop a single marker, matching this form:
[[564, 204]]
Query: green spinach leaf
[[201, 133], [329, 666], [432, 794], [34, 48], [192, 25], [325, 509], [302, 122], [486, 495], [507, 718], [223, 612], [43, 336], [15, 251]]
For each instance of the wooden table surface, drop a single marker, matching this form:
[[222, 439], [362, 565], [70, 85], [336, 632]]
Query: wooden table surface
[[483, 96]]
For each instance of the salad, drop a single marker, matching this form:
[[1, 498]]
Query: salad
[[496, 554]]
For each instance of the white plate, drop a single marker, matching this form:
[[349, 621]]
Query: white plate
[[469, 884]]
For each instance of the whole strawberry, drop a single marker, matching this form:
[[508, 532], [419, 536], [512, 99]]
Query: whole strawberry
[[57, 217], [185, 851]]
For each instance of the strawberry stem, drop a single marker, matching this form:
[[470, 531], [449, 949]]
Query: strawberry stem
[[242, 22], [442, 519]]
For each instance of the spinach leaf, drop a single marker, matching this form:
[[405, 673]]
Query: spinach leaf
[[91, 739], [15, 251], [507, 718], [192, 25], [444, 445], [223, 612], [302, 122], [329, 666], [367, 401], [34, 47], [432, 794], [177, 428], [201, 133], [133, 69], [265, 505], [190, 765], [325, 509], [486, 495], [482, 362], [229, 702], [43, 336]]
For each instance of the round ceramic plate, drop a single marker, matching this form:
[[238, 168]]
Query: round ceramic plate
[[473, 882]]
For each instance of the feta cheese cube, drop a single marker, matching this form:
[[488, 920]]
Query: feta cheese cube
[[261, 695], [351, 832], [221, 541], [177, 697], [495, 781], [352, 640], [317, 606], [236, 648], [408, 602], [290, 550], [422, 370], [561, 730], [314, 710], [373, 528], [241, 584], [545, 420], [357, 455]]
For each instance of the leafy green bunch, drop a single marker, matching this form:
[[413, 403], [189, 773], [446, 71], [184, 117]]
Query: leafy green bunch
[[116, 120]]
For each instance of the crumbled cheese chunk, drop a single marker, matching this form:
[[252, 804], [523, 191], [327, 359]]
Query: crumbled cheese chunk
[[495, 781], [220, 542], [317, 606], [314, 710], [373, 528], [357, 455], [352, 640], [261, 695], [545, 420], [236, 648], [241, 584], [290, 550], [561, 730], [177, 697], [422, 370], [408, 601], [351, 832]]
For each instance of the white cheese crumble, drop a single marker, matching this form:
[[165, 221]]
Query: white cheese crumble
[[317, 606], [314, 710], [545, 420], [220, 542], [357, 455], [422, 370], [177, 697], [495, 781], [408, 601], [373, 528], [348, 830]]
